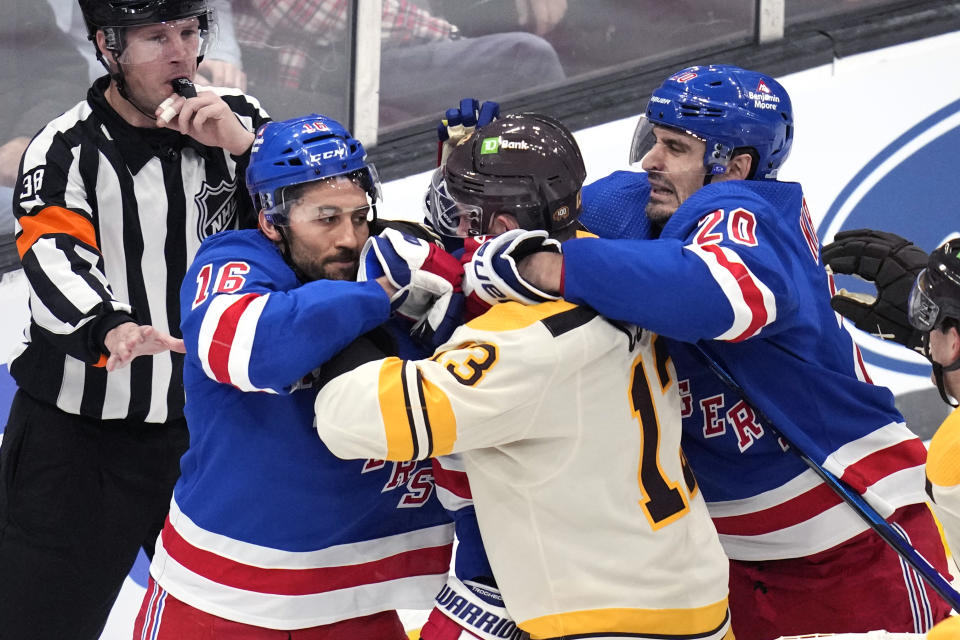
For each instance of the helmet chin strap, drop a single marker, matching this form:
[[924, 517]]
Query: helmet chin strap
[[118, 79], [938, 370]]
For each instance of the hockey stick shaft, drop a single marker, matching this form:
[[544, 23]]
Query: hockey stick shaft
[[876, 522]]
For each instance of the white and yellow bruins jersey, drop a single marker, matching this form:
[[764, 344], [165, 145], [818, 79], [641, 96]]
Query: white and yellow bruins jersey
[[570, 430]]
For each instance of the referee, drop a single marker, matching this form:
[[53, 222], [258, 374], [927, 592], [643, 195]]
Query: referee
[[112, 200]]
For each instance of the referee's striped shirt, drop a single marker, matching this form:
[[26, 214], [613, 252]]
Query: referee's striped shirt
[[109, 218]]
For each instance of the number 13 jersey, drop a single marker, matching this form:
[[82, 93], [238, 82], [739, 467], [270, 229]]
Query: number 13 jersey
[[570, 432]]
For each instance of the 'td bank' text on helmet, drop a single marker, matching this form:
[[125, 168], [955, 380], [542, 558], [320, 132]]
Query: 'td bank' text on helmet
[[527, 165]]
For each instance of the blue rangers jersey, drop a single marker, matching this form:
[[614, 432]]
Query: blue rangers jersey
[[737, 270], [266, 526]]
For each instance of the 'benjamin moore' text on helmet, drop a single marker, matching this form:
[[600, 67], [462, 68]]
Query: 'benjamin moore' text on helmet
[[114, 16], [727, 107], [301, 150], [527, 165]]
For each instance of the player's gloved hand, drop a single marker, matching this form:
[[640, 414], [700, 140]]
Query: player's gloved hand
[[439, 322], [459, 123], [892, 264], [490, 273], [421, 271], [469, 610]]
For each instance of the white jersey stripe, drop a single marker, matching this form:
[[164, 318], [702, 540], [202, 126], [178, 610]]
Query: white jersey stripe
[[733, 289], [333, 556], [825, 530], [242, 345], [211, 319], [291, 612], [71, 389]]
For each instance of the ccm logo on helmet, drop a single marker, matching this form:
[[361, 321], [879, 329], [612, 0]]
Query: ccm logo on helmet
[[317, 158]]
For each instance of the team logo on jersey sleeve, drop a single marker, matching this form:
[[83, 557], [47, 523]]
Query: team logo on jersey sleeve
[[216, 208]]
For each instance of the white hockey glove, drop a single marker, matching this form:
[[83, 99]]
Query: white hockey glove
[[491, 276], [457, 124], [422, 272], [467, 611]]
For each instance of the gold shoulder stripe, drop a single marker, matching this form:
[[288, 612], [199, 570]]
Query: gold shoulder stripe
[[508, 316], [583, 233], [393, 408], [942, 468]]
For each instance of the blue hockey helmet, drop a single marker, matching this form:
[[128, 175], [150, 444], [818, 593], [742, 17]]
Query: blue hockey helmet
[[727, 107], [301, 150]]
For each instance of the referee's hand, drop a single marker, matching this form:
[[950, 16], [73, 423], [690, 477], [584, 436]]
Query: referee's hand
[[129, 340], [207, 119]]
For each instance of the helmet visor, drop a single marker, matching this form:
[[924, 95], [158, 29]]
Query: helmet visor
[[296, 210], [648, 134], [178, 39], [922, 311], [643, 140], [448, 216]]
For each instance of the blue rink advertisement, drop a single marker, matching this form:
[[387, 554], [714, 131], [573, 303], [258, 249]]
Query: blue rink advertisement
[[876, 145]]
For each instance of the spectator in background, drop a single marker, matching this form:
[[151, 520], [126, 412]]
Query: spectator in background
[[593, 34], [294, 54], [221, 67], [42, 75]]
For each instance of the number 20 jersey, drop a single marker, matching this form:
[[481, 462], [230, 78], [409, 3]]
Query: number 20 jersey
[[570, 432]]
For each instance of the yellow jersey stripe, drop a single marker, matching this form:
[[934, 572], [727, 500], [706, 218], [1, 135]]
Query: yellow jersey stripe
[[439, 418], [942, 468], [661, 622], [394, 409]]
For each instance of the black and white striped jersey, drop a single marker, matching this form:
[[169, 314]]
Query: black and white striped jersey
[[109, 217]]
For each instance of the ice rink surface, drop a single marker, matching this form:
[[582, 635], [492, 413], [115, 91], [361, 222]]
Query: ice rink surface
[[875, 133]]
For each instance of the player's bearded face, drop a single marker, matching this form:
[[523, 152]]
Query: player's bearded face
[[675, 169], [328, 227]]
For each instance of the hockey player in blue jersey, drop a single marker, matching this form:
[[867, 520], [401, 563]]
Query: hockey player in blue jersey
[[726, 258], [267, 530]]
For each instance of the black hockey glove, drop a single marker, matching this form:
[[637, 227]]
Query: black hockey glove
[[891, 263]]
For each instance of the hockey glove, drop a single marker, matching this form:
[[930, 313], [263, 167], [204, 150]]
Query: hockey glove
[[438, 323], [469, 610], [421, 271], [457, 124], [891, 263], [491, 276]]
